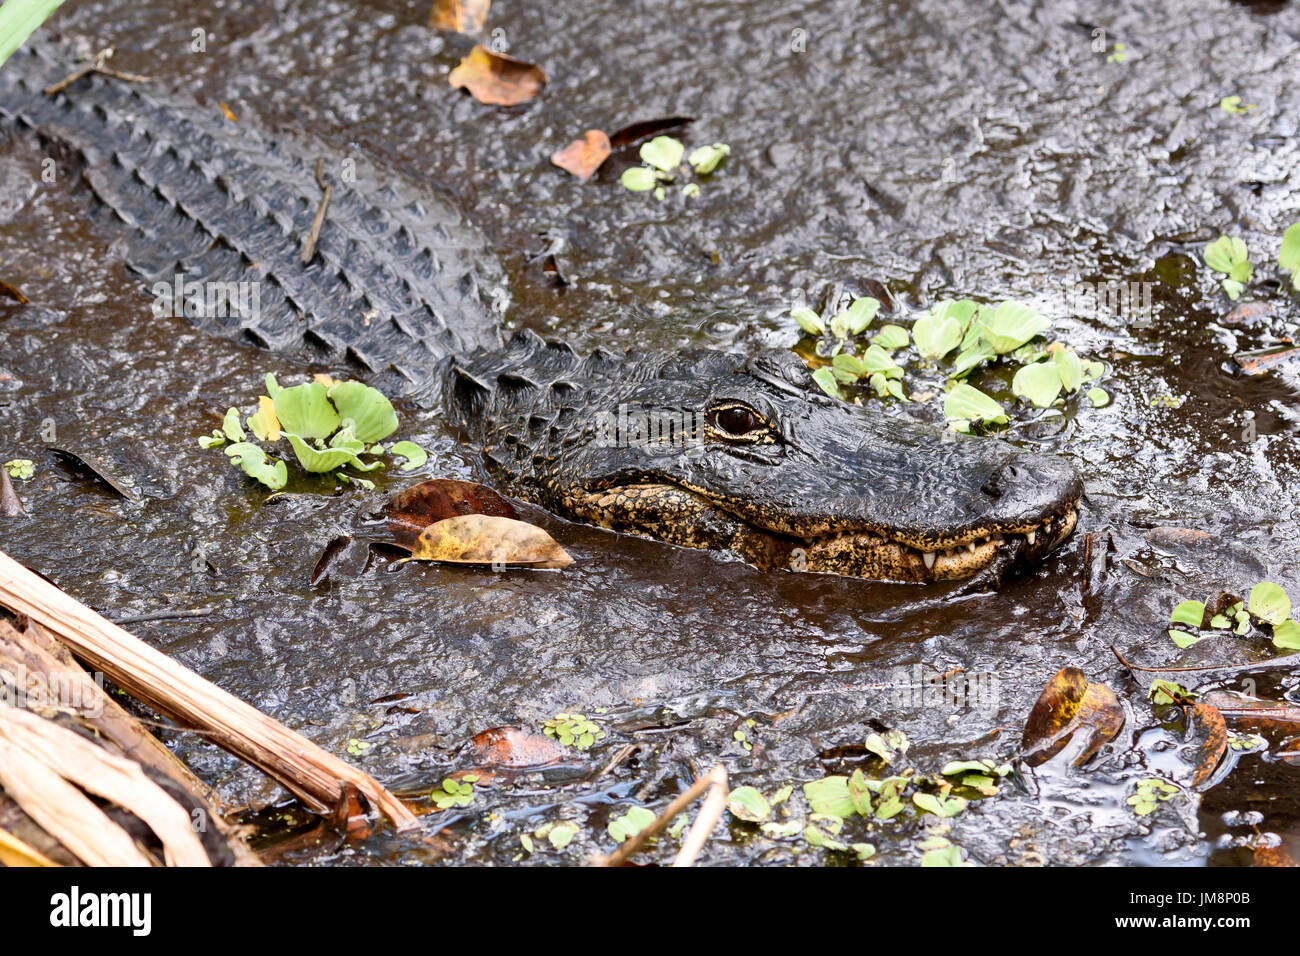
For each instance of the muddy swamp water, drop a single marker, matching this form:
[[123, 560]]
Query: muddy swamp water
[[910, 151]]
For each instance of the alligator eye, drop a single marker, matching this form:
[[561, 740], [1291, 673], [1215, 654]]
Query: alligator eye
[[735, 420]]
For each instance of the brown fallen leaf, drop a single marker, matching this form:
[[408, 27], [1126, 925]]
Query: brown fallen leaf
[[1213, 733], [489, 539], [412, 510], [1274, 856], [514, 749], [497, 79], [1068, 704], [351, 815], [462, 16], [583, 156], [635, 132], [1166, 535]]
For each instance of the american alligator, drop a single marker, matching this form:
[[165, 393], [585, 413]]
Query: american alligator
[[703, 448]]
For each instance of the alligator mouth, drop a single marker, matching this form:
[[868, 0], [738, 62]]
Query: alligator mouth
[[686, 516], [881, 557]]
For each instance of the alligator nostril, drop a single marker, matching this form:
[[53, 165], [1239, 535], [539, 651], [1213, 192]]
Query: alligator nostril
[[996, 485]]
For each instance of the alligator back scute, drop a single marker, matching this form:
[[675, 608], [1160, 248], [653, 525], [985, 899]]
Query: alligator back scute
[[399, 281]]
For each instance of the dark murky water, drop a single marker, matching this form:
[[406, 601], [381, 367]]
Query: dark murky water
[[940, 149]]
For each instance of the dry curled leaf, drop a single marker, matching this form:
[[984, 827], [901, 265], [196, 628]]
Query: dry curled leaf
[[583, 156], [1069, 704], [414, 509], [497, 79], [489, 539], [462, 16]]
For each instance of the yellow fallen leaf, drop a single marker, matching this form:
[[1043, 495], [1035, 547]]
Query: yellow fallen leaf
[[489, 539]]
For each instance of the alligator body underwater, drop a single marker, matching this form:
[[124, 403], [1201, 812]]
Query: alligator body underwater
[[702, 448]]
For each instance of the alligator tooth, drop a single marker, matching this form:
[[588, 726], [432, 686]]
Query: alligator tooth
[[1030, 536], [970, 546], [928, 558]]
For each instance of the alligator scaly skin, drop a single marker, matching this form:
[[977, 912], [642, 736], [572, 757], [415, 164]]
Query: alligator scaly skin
[[398, 282]]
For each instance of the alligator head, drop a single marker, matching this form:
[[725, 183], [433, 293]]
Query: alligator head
[[714, 450]]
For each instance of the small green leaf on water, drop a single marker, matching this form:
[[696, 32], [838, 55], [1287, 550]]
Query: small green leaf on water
[[826, 379], [1011, 325], [1269, 603], [936, 334], [1232, 104], [639, 179], [1288, 257], [1070, 369], [1040, 383], [660, 193], [1182, 639], [830, 796], [562, 834], [691, 190], [860, 313], [746, 803], [1099, 397], [949, 856], [306, 410], [630, 823], [255, 464], [1188, 612], [891, 337], [967, 403], [1287, 635], [663, 152], [1226, 255], [808, 320], [415, 455], [368, 408], [22, 469], [705, 159], [230, 426]]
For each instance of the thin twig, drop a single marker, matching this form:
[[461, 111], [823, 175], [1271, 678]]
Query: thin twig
[[97, 65], [1286, 662], [327, 193], [710, 812], [626, 751], [635, 842]]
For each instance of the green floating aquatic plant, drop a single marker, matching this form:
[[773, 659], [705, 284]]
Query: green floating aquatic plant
[[328, 425], [662, 159]]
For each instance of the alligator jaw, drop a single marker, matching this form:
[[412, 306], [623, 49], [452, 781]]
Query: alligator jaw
[[686, 517], [863, 554]]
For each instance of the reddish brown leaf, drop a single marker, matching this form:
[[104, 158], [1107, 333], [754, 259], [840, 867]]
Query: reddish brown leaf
[[413, 510], [489, 539], [498, 79], [1213, 734], [350, 814], [643, 130], [1260, 361], [512, 748], [462, 16], [583, 156], [1068, 704]]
